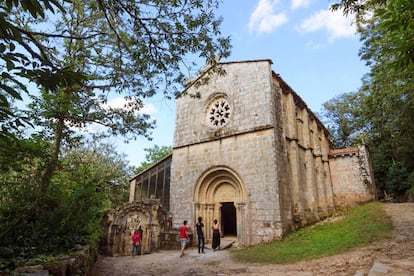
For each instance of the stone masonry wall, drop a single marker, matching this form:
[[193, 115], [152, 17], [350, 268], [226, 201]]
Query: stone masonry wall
[[264, 168], [247, 86], [122, 222], [246, 145], [352, 176], [276, 146], [307, 146], [282, 163], [249, 156]]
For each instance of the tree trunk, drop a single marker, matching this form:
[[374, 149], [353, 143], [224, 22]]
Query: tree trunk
[[51, 164]]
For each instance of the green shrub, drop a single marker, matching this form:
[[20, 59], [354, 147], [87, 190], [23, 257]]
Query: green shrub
[[38, 224]]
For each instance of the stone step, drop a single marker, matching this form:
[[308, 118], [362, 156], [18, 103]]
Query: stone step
[[224, 244]]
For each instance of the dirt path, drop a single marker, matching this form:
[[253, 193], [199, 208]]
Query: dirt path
[[392, 257]]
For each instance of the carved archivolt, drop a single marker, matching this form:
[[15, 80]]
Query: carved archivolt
[[215, 186], [146, 216], [219, 184]]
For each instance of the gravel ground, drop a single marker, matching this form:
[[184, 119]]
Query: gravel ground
[[391, 257]]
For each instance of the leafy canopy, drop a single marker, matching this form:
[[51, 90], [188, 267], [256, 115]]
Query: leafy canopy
[[86, 67], [89, 180], [382, 111], [123, 52], [153, 155]]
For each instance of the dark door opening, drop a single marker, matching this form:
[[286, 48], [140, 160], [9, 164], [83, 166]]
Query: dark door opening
[[228, 219]]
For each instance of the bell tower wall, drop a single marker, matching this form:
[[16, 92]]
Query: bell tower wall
[[245, 144]]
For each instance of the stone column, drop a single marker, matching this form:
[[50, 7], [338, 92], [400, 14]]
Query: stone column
[[217, 212], [320, 175], [294, 181], [209, 220], [241, 223], [322, 195], [132, 190], [311, 185], [330, 200], [203, 210]]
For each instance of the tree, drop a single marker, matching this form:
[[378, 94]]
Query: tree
[[386, 29], [23, 59], [129, 49], [389, 51], [81, 55], [153, 155], [342, 116], [356, 6], [89, 180]]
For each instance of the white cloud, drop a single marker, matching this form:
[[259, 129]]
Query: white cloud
[[149, 109], [264, 19], [314, 45], [120, 102], [299, 4], [334, 23]]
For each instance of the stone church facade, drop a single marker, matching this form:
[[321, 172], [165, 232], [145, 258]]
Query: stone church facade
[[250, 153]]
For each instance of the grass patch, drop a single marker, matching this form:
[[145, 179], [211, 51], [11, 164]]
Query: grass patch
[[360, 226]]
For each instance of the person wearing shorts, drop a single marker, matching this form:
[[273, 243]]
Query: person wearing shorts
[[183, 237]]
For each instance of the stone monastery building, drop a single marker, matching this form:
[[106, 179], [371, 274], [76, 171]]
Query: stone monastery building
[[250, 153]]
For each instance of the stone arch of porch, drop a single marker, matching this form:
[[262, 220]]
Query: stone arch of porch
[[217, 185]]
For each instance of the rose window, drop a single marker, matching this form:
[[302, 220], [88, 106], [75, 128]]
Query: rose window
[[219, 113]]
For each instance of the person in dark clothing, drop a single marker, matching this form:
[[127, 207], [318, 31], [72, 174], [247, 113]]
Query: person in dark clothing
[[200, 235], [216, 235]]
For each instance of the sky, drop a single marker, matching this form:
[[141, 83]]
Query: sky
[[313, 49]]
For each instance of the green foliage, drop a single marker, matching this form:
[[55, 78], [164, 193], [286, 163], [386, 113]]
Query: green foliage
[[355, 227], [107, 172], [81, 55], [34, 7], [356, 6], [87, 182], [95, 52], [23, 59], [14, 152], [153, 155], [389, 104], [383, 114], [398, 179], [342, 116]]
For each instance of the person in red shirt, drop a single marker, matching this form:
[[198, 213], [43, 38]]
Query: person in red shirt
[[136, 243], [183, 237]]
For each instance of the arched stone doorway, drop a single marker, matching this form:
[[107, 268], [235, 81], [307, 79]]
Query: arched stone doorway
[[121, 222], [220, 194]]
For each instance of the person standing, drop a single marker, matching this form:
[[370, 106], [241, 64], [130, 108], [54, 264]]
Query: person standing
[[216, 235], [136, 243], [200, 235], [183, 237]]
